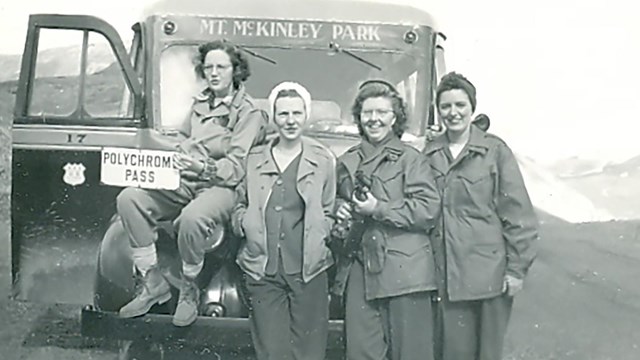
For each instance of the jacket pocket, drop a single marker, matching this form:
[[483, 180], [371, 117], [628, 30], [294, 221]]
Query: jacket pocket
[[485, 271], [474, 179], [409, 264], [389, 184], [408, 244], [389, 174], [253, 232], [475, 192], [373, 249]]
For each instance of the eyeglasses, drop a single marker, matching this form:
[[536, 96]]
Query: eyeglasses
[[210, 67], [369, 113]]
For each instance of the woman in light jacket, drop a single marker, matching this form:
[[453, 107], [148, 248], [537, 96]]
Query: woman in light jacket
[[389, 278], [484, 240], [284, 212]]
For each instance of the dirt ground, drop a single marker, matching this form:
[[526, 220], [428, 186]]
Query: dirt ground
[[581, 302]]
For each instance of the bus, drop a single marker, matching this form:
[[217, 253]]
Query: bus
[[104, 97]]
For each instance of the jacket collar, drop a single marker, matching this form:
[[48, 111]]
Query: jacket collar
[[392, 150], [308, 162], [238, 97], [478, 142], [202, 101]]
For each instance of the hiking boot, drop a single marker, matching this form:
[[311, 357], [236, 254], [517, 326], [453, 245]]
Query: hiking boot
[[153, 289], [187, 309]]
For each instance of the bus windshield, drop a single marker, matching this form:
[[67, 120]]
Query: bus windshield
[[332, 75]]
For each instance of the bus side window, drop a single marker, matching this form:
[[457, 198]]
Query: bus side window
[[55, 87], [70, 82], [106, 89]]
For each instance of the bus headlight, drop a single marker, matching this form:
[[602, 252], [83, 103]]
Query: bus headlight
[[213, 310]]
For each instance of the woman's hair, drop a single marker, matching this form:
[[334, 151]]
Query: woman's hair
[[241, 71], [291, 93], [379, 88], [455, 81]]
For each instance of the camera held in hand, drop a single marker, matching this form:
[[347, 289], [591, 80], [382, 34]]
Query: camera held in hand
[[346, 234]]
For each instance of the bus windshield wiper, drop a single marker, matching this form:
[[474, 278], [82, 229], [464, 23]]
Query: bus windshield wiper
[[255, 54], [336, 48]]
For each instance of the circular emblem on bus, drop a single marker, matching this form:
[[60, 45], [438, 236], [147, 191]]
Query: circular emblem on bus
[[410, 37], [74, 174], [170, 27]]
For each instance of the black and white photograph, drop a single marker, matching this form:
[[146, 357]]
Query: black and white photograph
[[319, 180]]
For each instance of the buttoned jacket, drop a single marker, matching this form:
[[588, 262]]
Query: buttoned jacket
[[315, 182], [488, 226]]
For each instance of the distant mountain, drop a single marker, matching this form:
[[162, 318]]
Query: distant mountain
[[615, 188], [610, 186], [625, 168], [52, 68], [573, 190], [56, 62], [577, 166], [10, 65], [7, 99], [555, 197]]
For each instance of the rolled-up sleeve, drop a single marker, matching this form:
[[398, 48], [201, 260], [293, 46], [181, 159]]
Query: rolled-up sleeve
[[248, 131], [519, 221], [419, 208]]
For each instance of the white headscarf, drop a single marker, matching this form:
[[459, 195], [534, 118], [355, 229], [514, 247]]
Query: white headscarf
[[290, 85]]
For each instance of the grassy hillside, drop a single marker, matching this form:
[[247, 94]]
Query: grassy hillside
[[59, 61], [6, 107], [104, 92]]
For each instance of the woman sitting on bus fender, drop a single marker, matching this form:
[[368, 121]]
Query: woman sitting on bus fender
[[484, 241], [389, 279], [224, 125], [284, 211]]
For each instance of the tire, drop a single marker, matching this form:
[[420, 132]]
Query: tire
[[114, 282]]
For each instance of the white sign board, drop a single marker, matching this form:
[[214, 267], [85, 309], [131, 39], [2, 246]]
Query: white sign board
[[150, 169]]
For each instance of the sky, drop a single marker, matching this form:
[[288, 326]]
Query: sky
[[559, 78]]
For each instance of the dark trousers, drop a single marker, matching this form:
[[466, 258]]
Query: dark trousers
[[400, 327], [289, 319], [196, 214], [472, 330]]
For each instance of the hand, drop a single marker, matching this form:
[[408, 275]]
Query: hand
[[433, 131], [237, 223], [365, 207], [344, 211], [512, 285], [184, 162]]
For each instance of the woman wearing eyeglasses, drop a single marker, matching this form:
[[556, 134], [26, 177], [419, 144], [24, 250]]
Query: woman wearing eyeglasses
[[388, 280], [223, 125]]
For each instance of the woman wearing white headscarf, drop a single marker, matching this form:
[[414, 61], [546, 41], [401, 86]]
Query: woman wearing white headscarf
[[284, 212]]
